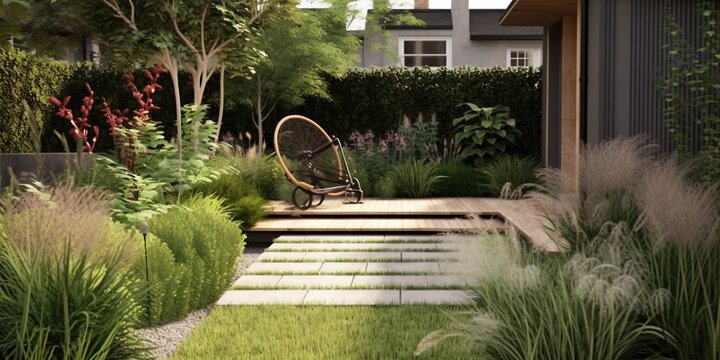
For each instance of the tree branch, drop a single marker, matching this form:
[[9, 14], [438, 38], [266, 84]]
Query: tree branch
[[182, 36], [202, 29], [119, 13]]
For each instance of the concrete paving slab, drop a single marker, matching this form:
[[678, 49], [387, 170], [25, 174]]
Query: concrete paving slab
[[262, 297], [315, 281], [429, 256], [344, 238], [343, 267], [281, 256], [355, 255], [352, 297], [430, 267], [409, 280], [362, 247], [285, 267], [435, 297], [257, 280]]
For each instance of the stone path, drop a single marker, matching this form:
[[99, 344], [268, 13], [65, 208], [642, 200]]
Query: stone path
[[354, 270]]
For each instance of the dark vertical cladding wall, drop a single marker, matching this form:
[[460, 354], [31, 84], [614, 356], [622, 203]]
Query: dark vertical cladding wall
[[553, 96], [626, 62]]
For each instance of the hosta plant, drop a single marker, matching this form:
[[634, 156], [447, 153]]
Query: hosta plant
[[484, 132]]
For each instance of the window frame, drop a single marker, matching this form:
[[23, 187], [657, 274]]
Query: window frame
[[534, 53], [448, 48]]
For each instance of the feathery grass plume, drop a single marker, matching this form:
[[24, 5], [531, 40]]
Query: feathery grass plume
[[675, 209], [586, 308], [495, 257], [46, 218], [608, 174]]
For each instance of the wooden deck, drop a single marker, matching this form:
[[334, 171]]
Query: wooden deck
[[433, 215]]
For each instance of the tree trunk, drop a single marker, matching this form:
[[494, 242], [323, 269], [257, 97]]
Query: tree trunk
[[172, 67], [222, 104], [260, 118]]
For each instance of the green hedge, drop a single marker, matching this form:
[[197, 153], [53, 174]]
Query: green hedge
[[31, 78], [377, 98], [364, 99], [24, 76]]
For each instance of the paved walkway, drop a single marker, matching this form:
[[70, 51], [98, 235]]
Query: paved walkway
[[354, 270]]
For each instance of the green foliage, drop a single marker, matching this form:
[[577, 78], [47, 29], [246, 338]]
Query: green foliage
[[299, 50], [64, 291], [204, 247], [376, 99], [156, 167], [63, 306], [31, 78], [248, 210], [415, 179], [484, 132], [244, 185], [691, 88], [513, 170], [459, 180], [420, 140]]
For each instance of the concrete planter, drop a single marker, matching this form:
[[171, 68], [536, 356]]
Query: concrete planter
[[24, 165]]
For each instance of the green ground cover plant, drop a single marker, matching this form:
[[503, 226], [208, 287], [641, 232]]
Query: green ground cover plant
[[192, 258], [320, 332]]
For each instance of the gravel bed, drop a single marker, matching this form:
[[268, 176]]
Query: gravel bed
[[166, 338]]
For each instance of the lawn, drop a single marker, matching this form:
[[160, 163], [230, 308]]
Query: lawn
[[323, 332]]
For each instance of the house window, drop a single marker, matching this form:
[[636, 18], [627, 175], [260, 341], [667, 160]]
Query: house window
[[433, 52], [520, 57]]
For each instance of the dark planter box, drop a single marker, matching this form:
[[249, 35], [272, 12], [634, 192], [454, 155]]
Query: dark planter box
[[24, 166]]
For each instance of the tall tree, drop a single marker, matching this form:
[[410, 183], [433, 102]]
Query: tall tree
[[299, 52], [302, 52], [197, 36]]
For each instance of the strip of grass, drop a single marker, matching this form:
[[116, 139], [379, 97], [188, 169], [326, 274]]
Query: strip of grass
[[388, 272], [322, 332], [358, 249], [372, 260], [353, 287], [360, 241]]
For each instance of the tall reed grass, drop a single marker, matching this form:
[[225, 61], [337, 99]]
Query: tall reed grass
[[639, 277], [64, 290]]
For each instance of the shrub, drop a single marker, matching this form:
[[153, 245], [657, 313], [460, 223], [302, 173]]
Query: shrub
[[415, 179], [484, 132], [515, 171], [205, 246], [459, 180], [248, 210], [244, 185], [64, 291]]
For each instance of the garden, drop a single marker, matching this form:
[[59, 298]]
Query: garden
[[162, 161]]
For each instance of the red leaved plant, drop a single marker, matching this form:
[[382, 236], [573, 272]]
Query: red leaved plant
[[80, 124]]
